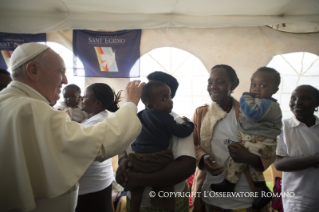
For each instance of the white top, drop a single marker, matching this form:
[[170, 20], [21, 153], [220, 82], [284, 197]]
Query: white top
[[179, 147], [99, 175], [76, 114], [299, 140], [226, 128], [43, 153]]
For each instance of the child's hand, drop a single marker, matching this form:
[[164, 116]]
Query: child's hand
[[249, 94], [185, 118], [252, 95]]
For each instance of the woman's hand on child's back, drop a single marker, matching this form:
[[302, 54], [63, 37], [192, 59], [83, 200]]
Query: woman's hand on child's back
[[211, 167]]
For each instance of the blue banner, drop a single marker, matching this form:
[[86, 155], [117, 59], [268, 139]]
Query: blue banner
[[107, 54], [9, 41]]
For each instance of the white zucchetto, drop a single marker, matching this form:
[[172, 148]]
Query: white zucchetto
[[25, 52]]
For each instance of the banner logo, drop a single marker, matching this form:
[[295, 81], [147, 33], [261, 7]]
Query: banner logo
[[106, 58], [107, 54]]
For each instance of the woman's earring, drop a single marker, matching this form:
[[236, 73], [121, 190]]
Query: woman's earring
[[316, 109]]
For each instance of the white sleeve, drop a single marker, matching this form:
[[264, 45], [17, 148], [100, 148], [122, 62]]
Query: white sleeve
[[54, 152], [182, 146], [122, 128], [281, 145], [131, 105]]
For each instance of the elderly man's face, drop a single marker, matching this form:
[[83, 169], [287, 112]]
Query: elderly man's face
[[52, 77]]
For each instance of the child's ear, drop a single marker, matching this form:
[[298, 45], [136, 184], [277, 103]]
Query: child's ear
[[98, 103], [149, 107], [233, 86]]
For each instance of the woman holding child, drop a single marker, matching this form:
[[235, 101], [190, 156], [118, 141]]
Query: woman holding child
[[215, 124], [173, 174]]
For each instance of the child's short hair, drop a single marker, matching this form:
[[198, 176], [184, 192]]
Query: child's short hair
[[147, 91], [168, 79], [273, 71], [74, 86]]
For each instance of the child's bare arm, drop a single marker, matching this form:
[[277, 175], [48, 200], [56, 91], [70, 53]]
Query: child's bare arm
[[290, 164]]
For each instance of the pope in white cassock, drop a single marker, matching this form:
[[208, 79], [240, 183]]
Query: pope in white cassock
[[43, 153]]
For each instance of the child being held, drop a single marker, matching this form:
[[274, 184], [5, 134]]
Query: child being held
[[151, 145], [72, 104], [259, 125]]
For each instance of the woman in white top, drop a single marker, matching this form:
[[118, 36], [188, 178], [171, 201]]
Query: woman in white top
[[96, 183], [215, 125], [298, 152]]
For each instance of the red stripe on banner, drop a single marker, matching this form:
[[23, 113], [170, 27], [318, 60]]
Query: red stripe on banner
[[100, 51], [7, 54]]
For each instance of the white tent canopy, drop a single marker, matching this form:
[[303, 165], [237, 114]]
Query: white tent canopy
[[35, 16], [245, 34]]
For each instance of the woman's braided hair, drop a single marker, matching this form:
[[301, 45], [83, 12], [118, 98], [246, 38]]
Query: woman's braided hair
[[106, 95], [230, 71]]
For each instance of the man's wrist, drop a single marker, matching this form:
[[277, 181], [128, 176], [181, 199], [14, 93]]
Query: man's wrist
[[131, 105]]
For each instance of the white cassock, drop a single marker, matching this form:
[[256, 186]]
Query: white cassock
[[43, 153]]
